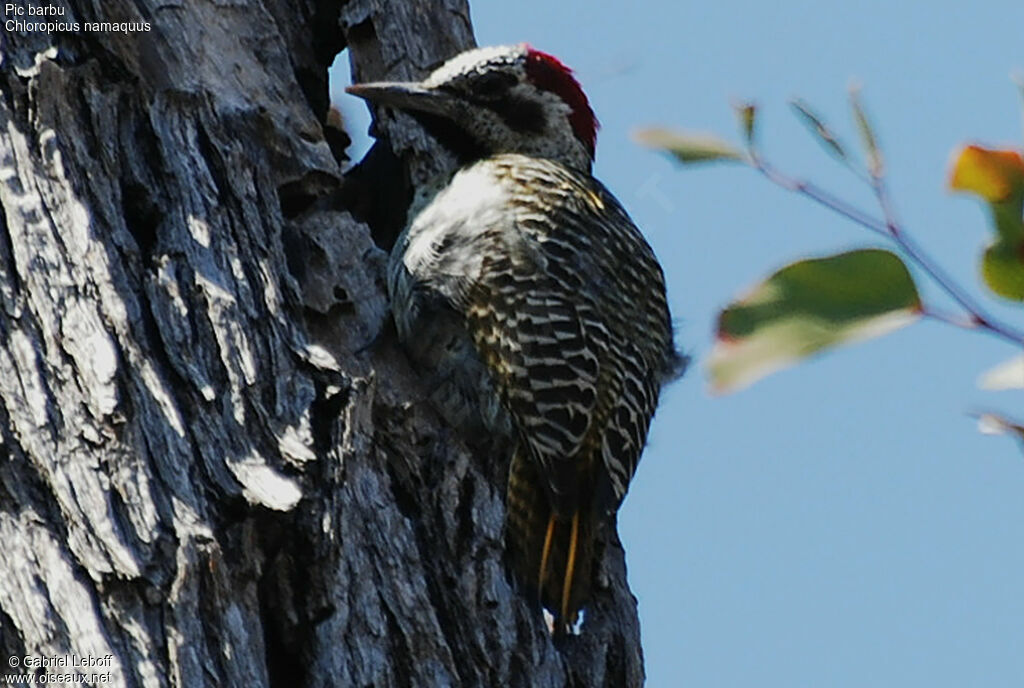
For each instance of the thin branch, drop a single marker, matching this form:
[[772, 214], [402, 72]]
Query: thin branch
[[889, 228], [820, 196], [914, 251], [964, 323]]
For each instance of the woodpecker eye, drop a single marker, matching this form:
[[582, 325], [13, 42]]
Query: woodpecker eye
[[493, 84]]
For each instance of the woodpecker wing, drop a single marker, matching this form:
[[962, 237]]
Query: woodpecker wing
[[570, 315], [534, 340]]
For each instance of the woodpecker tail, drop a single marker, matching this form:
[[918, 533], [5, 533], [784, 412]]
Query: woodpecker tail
[[551, 553]]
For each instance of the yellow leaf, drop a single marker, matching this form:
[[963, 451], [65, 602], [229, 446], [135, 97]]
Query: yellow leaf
[[995, 175]]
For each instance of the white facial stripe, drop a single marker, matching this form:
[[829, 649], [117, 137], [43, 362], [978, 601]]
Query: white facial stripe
[[467, 62]]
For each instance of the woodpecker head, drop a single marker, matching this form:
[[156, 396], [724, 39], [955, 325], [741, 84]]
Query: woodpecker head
[[502, 99]]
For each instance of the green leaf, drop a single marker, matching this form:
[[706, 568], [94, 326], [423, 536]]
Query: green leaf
[[689, 147], [996, 175], [809, 306], [817, 126], [1002, 267], [1007, 220], [867, 134]]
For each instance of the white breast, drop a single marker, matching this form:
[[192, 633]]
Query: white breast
[[473, 202]]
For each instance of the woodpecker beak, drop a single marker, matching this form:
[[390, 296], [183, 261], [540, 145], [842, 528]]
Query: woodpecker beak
[[403, 95]]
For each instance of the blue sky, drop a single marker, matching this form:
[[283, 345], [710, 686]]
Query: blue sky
[[841, 523]]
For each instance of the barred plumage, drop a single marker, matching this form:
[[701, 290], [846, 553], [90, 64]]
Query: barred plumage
[[536, 309]]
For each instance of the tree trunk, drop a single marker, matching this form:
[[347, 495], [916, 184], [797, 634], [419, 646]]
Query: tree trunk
[[216, 467]]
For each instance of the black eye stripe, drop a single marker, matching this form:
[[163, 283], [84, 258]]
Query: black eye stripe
[[493, 84], [521, 114]]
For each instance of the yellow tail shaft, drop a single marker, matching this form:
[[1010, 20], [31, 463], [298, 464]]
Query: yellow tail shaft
[[551, 553], [546, 553], [570, 567]]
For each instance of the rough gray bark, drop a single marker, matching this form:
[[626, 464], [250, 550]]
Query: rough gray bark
[[215, 464]]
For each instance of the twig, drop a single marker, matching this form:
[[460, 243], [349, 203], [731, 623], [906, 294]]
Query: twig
[[889, 228], [820, 196]]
